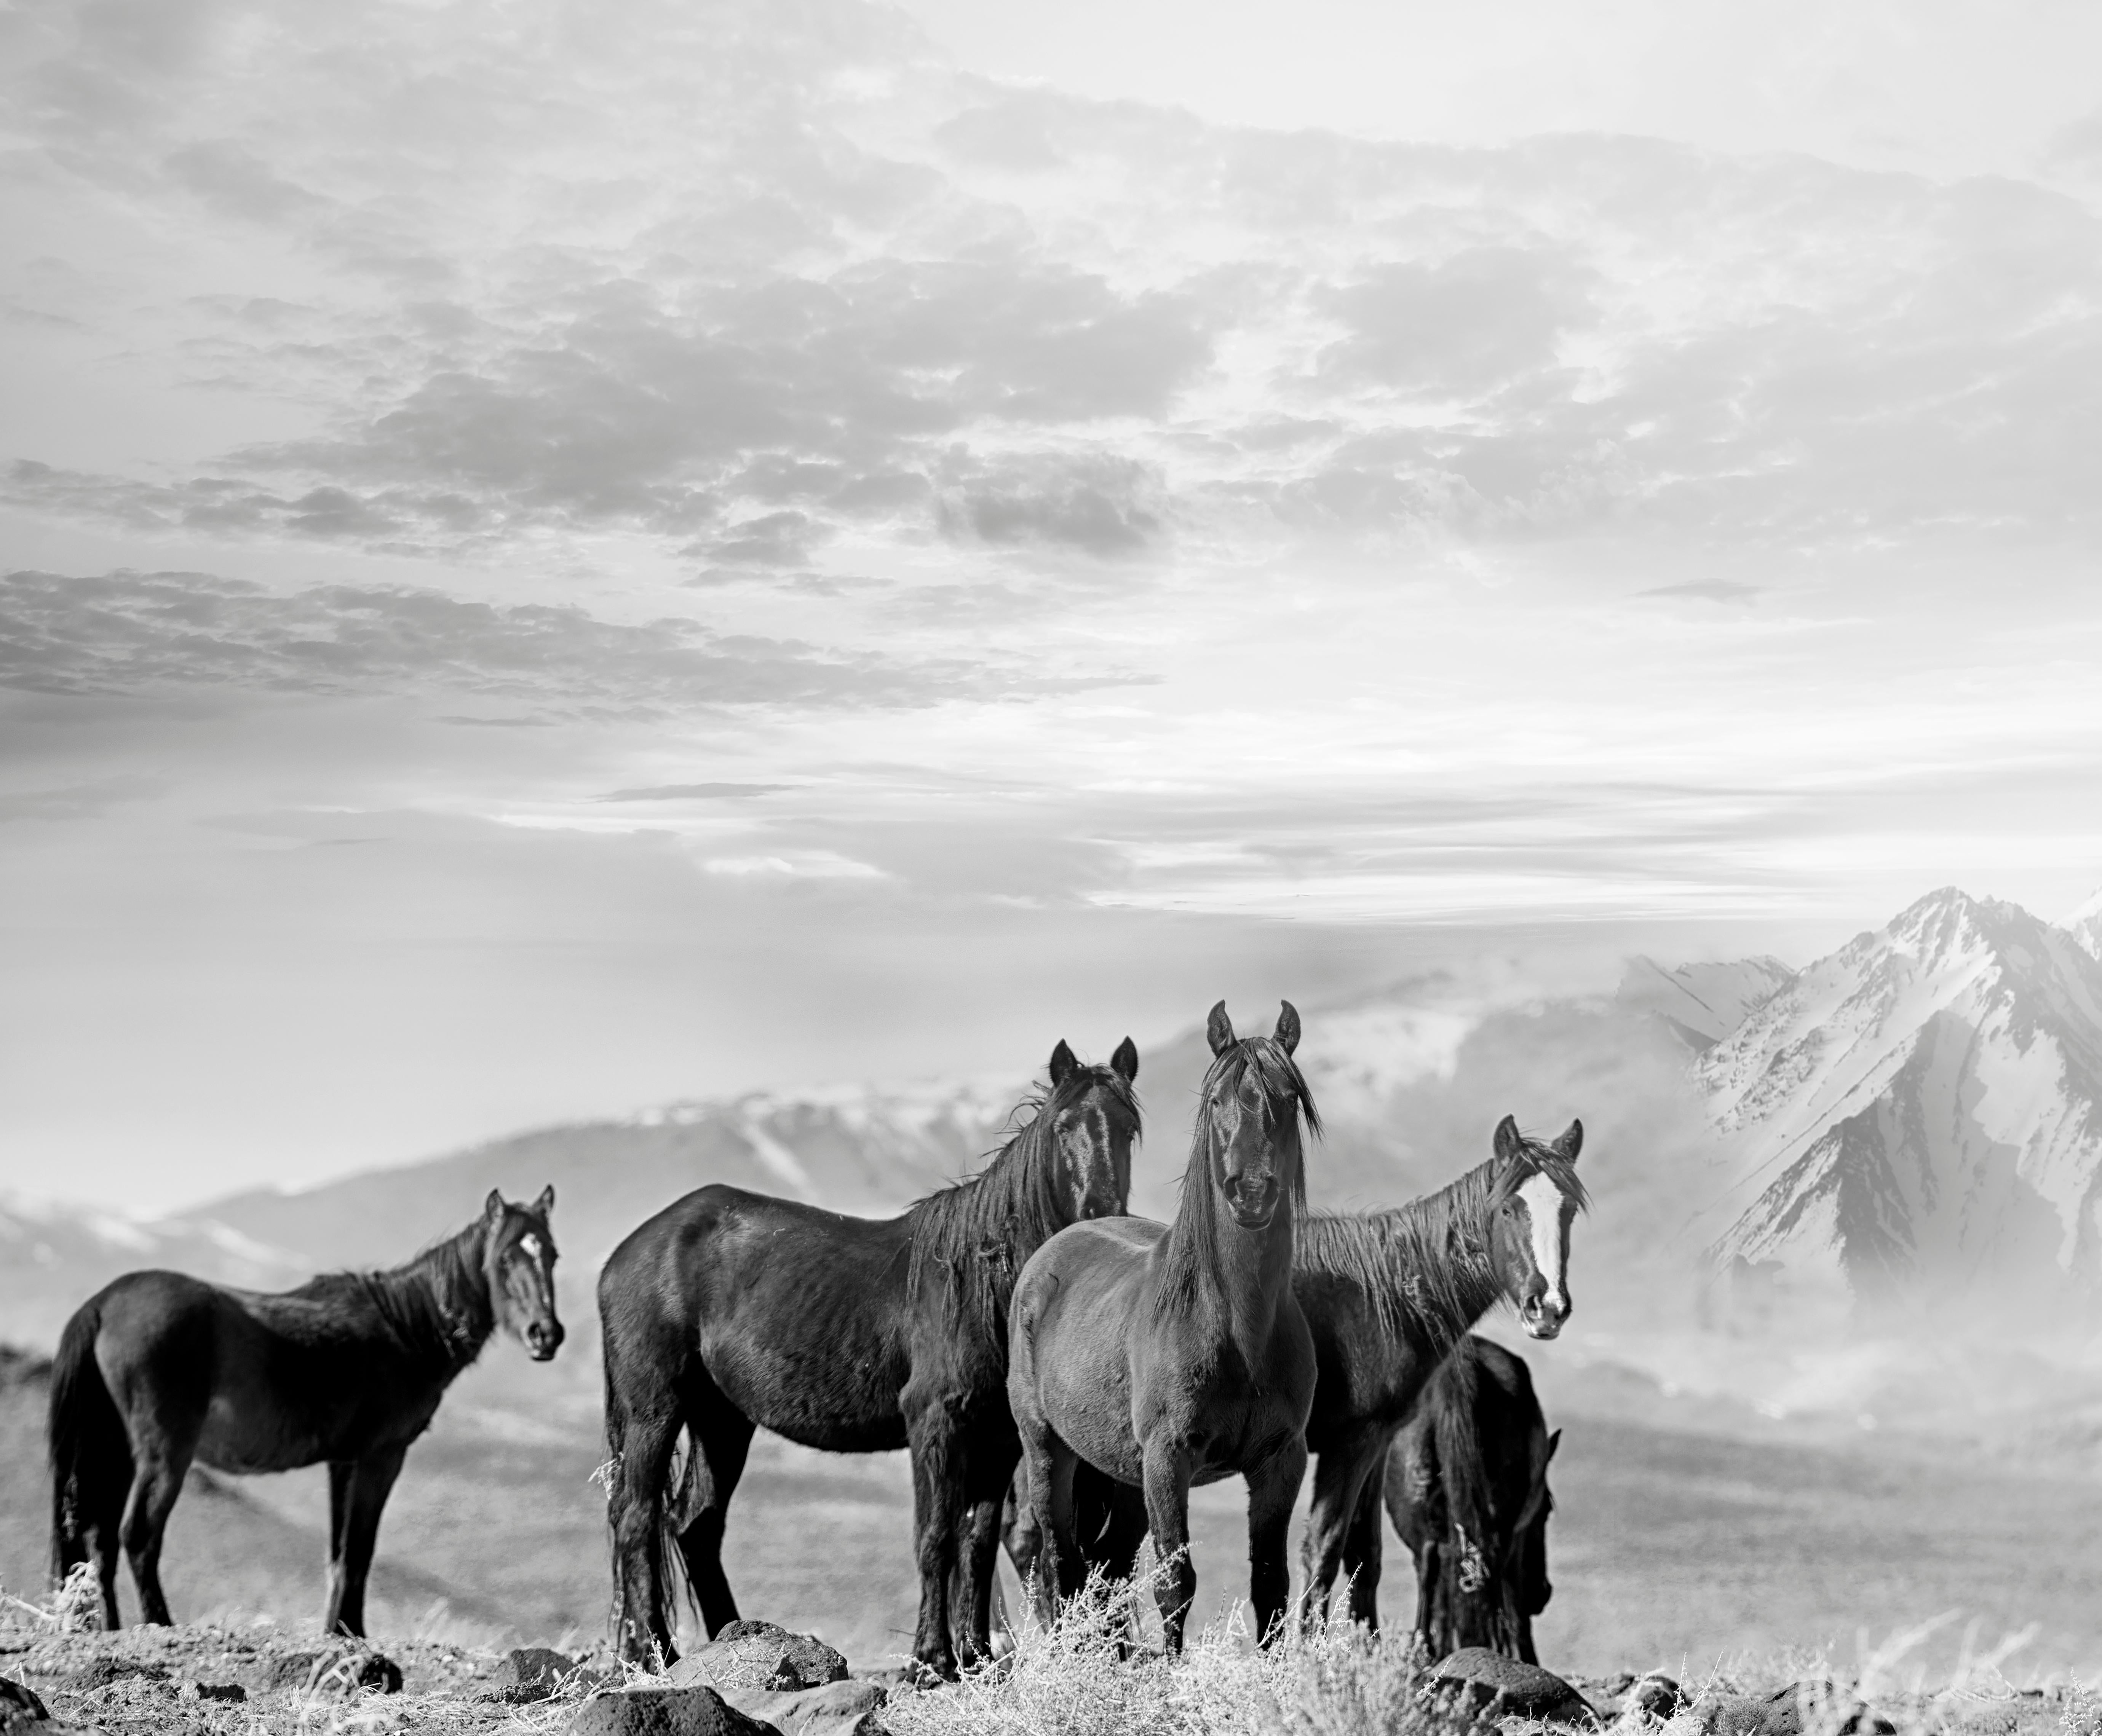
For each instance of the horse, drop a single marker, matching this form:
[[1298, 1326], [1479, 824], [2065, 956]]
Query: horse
[[157, 1371], [1466, 1488], [1389, 1295], [729, 1311], [1386, 1296], [1165, 1355]]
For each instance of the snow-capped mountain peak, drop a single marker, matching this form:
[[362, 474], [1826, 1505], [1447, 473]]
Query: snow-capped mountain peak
[[1924, 1104]]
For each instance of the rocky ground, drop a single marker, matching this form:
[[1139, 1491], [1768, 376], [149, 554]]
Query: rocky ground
[[259, 1680]]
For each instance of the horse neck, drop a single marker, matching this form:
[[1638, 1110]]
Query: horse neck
[[1236, 1277], [438, 1303], [1447, 1280]]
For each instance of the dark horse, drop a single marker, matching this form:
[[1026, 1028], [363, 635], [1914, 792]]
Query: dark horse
[[729, 1311], [1466, 1487], [157, 1371], [1386, 1296], [1164, 1355], [1390, 1296]]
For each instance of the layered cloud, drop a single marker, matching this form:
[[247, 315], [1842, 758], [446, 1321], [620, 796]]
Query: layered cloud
[[781, 292]]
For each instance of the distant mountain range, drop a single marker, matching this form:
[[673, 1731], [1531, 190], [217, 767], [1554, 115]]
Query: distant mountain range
[[1923, 1107]]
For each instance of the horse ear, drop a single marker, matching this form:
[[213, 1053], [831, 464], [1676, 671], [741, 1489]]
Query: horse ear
[[492, 1208], [1125, 1061], [1287, 1035], [1509, 1142], [1062, 1064], [1571, 1142], [1219, 1029], [546, 1202]]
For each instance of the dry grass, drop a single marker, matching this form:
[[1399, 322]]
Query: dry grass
[[1068, 1680]]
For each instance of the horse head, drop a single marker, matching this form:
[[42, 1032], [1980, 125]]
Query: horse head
[[518, 1263], [1092, 1119], [1537, 1196], [1248, 1116]]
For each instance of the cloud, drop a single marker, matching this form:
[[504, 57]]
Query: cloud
[[78, 801], [694, 792], [124, 632], [1456, 327], [1097, 506], [1713, 590]]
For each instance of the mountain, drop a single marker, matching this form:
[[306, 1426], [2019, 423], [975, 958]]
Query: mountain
[[1921, 1110], [1411, 1079], [1701, 1003], [2085, 926]]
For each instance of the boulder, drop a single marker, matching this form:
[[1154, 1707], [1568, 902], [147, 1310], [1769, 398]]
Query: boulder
[[1503, 1687], [758, 1655], [839, 1708], [1780, 1713], [19, 1708], [1655, 1696], [663, 1712], [529, 1673], [351, 1668]]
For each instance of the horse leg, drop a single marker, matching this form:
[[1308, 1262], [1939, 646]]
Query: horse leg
[[1164, 1464], [371, 1480], [931, 1435], [1361, 1554], [339, 1472], [646, 1429], [107, 1520], [1273, 1488], [989, 1465], [1339, 1476], [721, 1436], [1048, 1479], [155, 1483]]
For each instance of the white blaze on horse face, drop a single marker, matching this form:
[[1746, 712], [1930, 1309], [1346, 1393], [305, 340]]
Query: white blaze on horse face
[[1543, 1211], [529, 1245]]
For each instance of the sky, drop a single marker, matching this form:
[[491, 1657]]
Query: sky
[[550, 565]]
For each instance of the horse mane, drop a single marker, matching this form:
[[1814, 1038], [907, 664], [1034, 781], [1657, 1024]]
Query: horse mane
[[1426, 1262], [435, 1306], [977, 1231], [1191, 1252], [1449, 1402]]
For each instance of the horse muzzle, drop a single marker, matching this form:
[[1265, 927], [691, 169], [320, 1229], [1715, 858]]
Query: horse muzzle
[[1254, 1205], [1541, 1318], [544, 1338]]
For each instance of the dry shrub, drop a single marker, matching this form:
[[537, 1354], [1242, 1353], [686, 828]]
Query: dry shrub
[[1070, 1680]]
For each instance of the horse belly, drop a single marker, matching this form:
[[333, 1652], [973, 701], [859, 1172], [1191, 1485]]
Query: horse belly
[[249, 1437], [824, 1391]]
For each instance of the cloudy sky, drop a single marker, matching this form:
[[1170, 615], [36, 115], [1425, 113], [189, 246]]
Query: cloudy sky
[[553, 558]]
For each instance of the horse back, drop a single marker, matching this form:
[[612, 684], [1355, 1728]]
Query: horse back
[[796, 1315], [249, 1382]]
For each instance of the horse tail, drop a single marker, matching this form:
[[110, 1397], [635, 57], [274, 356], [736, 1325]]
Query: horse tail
[[90, 1452]]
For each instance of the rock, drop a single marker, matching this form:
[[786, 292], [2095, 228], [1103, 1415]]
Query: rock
[[530, 1673], [352, 1669], [1655, 1696], [20, 1708], [280, 1670], [103, 1673], [1504, 1687], [839, 1708], [663, 1712], [203, 1690], [1780, 1713], [758, 1655]]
